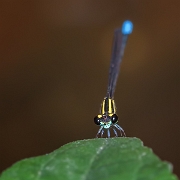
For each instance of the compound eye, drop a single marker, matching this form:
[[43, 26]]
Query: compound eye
[[97, 120], [114, 118]]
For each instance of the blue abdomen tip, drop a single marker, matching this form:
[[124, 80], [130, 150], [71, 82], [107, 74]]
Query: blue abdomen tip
[[127, 27]]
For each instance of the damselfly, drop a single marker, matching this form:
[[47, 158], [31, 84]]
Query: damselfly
[[108, 118]]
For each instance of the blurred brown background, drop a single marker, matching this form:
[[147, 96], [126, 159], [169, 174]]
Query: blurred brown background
[[54, 70]]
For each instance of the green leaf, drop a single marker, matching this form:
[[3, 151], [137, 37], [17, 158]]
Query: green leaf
[[94, 159]]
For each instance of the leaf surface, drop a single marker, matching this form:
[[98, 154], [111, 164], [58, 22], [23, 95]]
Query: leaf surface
[[94, 159]]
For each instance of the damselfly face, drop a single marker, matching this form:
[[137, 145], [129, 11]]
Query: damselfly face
[[106, 122]]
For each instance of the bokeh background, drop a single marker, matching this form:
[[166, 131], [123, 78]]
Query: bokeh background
[[54, 60]]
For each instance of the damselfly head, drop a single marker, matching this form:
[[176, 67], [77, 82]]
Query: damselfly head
[[107, 122]]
